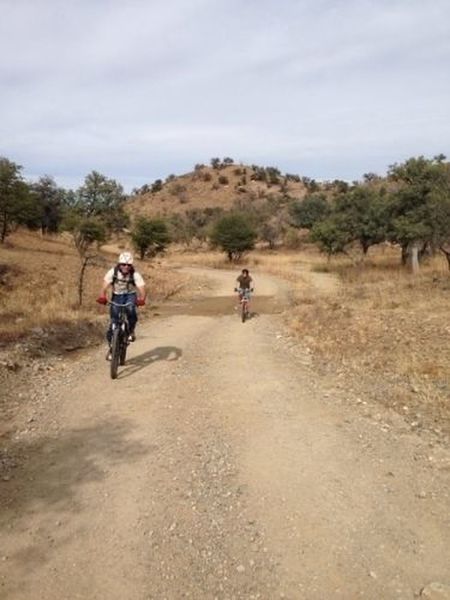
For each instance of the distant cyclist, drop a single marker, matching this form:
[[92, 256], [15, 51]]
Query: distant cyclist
[[244, 284], [128, 286]]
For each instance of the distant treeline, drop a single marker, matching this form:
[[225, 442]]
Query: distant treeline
[[409, 207]]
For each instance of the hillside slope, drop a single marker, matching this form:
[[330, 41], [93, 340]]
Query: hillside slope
[[207, 187]]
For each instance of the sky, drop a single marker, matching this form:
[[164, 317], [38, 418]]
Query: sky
[[141, 89]]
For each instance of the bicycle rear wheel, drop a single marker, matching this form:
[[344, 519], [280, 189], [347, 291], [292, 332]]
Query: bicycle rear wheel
[[115, 352]]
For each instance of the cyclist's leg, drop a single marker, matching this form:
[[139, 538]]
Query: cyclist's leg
[[132, 316], [248, 295], [113, 318], [239, 298]]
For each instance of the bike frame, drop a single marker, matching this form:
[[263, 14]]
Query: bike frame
[[244, 299], [119, 339]]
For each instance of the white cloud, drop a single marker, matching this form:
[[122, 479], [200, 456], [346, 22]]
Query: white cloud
[[145, 88]]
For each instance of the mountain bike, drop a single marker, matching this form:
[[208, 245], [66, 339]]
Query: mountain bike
[[244, 299], [119, 339]]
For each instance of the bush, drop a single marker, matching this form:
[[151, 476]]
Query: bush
[[234, 235], [223, 180], [157, 186], [292, 239], [176, 189], [150, 236]]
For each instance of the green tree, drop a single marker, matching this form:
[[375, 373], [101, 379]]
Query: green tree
[[331, 234], [150, 236], [421, 187], [365, 213], [306, 213], [51, 200], [17, 204], [234, 235], [104, 198]]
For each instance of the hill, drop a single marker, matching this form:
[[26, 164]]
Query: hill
[[223, 186]]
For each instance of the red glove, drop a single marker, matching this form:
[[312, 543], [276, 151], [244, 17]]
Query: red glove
[[140, 302], [102, 300]]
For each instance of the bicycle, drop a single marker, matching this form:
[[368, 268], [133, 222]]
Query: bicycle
[[119, 338], [244, 299]]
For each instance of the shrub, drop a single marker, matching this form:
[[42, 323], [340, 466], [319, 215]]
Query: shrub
[[234, 235], [150, 236]]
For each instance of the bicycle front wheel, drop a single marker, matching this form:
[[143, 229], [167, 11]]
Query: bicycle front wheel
[[115, 352], [123, 352]]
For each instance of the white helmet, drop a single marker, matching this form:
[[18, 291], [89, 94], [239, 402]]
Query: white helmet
[[126, 258]]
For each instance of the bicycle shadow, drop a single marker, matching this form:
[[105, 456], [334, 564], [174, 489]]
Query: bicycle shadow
[[137, 363]]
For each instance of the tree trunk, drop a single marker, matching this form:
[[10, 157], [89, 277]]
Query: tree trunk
[[414, 257], [424, 251], [405, 254], [84, 264], [4, 230], [365, 247]]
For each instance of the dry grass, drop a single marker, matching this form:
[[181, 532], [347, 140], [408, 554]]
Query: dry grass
[[384, 326], [38, 285], [284, 265]]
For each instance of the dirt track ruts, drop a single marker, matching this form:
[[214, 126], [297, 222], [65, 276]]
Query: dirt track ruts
[[220, 465]]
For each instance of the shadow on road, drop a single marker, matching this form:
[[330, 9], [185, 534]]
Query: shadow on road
[[56, 465], [136, 363], [49, 482]]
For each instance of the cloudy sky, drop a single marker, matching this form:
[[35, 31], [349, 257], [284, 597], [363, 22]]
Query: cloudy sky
[[144, 88]]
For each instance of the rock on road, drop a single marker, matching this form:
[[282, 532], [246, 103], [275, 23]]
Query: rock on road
[[219, 465]]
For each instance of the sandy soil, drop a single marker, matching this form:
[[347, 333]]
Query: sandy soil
[[218, 465]]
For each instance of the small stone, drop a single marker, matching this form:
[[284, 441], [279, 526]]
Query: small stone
[[240, 569]]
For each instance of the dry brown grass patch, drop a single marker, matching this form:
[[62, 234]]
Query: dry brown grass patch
[[38, 285], [384, 326]]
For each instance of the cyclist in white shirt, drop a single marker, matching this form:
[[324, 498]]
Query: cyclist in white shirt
[[128, 286]]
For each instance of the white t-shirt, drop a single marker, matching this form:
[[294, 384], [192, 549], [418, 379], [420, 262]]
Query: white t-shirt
[[122, 284]]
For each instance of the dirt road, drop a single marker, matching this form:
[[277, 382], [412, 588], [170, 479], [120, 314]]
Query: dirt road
[[219, 465]]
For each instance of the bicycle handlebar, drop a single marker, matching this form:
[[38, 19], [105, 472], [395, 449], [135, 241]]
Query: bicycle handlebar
[[119, 305]]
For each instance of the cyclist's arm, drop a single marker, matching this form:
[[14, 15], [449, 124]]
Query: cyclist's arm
[[141, 291], [107, 282], [140, 285]]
